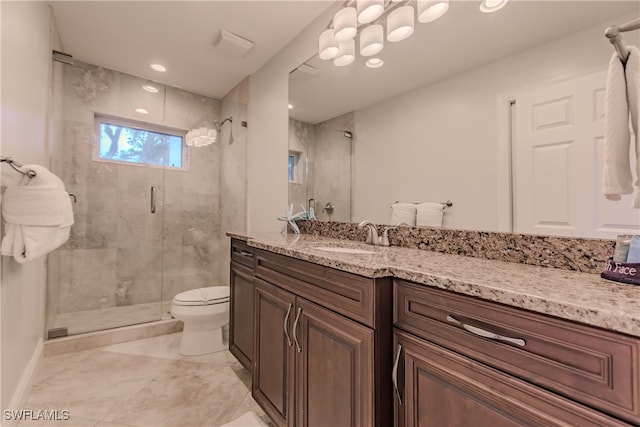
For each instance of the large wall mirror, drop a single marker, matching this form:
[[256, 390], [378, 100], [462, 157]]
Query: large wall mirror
[[500, 113]]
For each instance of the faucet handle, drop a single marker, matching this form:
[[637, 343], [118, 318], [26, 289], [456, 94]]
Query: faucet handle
[[385, 236]]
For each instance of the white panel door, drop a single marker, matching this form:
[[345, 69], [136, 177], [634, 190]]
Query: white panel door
[[557, 163]]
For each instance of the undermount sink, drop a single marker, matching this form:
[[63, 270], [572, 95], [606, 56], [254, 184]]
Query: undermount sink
[[344, 250]]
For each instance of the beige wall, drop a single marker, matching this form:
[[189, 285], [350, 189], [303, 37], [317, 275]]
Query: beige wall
[[267, 136], [26, 67]]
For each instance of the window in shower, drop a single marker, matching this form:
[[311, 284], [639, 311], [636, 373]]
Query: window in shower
[[132, 142]]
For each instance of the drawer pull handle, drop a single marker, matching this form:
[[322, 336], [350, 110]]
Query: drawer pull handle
[[486, 334], [286, 323], [295, 330], [246, 254], [394, 374]]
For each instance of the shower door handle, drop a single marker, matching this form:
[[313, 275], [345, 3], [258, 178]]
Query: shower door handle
[[153, 199]]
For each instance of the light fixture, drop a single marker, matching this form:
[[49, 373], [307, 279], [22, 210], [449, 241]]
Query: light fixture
[[490, 6], [374, 63], [141, 111], [346, 53], [369, 10], [371, 40], [328, 45], [159, 67], [430, 10], [345, 24], [290, 106], [204, 136], [400, 23], [150, 88], [368, 19]]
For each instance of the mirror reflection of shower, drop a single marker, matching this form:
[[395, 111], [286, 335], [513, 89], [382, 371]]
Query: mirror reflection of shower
[[320, 166]]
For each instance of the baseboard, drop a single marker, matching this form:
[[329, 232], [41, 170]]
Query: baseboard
[[25, 384]]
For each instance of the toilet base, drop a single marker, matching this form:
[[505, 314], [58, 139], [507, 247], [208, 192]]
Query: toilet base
[[197, 342]]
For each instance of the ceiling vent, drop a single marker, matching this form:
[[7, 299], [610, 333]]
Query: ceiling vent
[[233, 44]]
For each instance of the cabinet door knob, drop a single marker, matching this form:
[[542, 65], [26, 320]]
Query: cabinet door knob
[[295, 330], [286, 324], [394, 374], [486, 334]]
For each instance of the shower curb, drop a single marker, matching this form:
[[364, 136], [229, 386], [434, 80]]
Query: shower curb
[[91, 340]]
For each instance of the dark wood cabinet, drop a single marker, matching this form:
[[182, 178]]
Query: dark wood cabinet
[[241, 314], [462, 361], [313, 365], [241, 307]]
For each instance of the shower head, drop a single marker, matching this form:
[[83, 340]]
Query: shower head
[[218, 125]]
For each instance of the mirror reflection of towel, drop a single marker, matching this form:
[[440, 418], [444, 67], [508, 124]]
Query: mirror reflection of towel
[[38, 216], [430, 215]]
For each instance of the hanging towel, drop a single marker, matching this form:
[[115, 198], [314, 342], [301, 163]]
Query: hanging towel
[[621, 98], [430, 215], [403, 213], [632, 74], [38, 216]]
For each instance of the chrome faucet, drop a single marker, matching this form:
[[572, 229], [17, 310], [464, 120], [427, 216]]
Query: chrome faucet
[[372, 235]]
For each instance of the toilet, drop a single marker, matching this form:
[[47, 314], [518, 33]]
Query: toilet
[[204, 312]]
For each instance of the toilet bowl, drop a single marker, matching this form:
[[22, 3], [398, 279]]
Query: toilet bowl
[[204, 312]]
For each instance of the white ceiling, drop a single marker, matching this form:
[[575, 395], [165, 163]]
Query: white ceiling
[[128, 36], [463, 39]]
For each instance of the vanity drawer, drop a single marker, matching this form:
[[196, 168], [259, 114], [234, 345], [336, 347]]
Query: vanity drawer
[[342, 292], [595, 367], [242, 253]]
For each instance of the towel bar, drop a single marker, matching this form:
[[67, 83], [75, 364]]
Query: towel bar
[[15, 165]]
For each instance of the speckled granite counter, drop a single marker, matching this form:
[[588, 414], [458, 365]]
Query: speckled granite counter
[[582, 297]]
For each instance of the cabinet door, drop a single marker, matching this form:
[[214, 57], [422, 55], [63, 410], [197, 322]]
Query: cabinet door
[[442, 388], [334, 369], [273, 370], [241, 316]]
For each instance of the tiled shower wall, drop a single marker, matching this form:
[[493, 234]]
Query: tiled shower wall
[[329, 168], [119, 253]]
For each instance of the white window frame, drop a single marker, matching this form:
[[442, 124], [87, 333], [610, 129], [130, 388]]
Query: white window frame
[[136, 124]]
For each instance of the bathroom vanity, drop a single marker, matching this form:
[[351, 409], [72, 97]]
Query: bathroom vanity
[[365, 336]]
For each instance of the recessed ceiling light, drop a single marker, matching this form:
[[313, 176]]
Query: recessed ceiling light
[[141, 111], [374, 63], [290, 106], [489, 6], [158, 67], [149, 88]]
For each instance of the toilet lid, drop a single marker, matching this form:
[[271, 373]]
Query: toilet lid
[[203, 296]]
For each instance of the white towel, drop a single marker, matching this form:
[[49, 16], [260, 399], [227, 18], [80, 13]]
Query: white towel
[[403, 213], [430, 215], [38, 215], [632, 73], [621, 97]]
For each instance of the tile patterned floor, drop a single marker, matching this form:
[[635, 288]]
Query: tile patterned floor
[[144, 383]]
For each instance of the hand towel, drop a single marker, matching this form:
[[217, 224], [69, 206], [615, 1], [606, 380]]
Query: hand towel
[[632, 74], [38, 216], [616, 177], [430, 215], [403, 213]]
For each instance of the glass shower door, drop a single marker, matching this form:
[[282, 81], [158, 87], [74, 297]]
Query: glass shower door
[[109, 273]]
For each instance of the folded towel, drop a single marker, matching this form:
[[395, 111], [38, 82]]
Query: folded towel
[[403, 213], [39, 216], [430, 215], [616, 177], [632, 73]]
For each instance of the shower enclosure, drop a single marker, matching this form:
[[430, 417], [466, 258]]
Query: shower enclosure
[[147, 214]]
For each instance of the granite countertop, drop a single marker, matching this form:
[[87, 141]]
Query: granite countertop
[[581, 297]]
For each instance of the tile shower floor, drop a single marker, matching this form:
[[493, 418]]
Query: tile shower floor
[[142, 383]]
